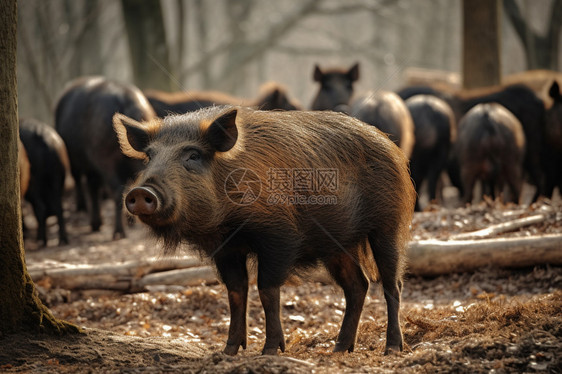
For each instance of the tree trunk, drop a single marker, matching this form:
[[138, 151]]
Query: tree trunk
[[20, 307], [147, 43], [481, 43]]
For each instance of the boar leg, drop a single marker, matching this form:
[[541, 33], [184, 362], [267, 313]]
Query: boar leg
[[63, 238], [94, 185], [41, 215], [348, 274], [433, 174], [468, 182], [233, 272], [78, 185], [271, 301], [387, 259], [513, 177], [273, 270], [119, 231]]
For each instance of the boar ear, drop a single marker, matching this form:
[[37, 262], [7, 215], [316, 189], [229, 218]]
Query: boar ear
[[133, 136], [554, 91], [318, 74], [353, 72], [222, 133]]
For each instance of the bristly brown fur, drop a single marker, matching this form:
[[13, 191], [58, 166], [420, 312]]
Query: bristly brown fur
[[382, 197]]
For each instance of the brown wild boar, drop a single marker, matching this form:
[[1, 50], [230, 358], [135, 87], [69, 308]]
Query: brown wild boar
[[490, 148], [290, 190], [387, 112]]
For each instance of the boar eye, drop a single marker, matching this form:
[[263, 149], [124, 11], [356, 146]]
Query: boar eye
[[190, 158]]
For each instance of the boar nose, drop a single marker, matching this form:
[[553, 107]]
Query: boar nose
[[141, 201]]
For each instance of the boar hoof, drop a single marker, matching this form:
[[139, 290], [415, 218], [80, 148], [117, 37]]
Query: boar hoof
[[119, 235], [269, 351], [231, 349], [341, 347], [273, 350], [392, 349]]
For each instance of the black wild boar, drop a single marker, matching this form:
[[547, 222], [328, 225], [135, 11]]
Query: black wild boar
[[273, 96], [435, 131], [490, 148], [386, 111], [540, 81], [336, 88], [84, 120], [552, 156], [213, 179], [48, 163]]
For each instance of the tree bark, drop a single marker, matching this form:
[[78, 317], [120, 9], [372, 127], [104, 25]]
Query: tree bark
[[147, 43], [20, 307], [481, 43], [436, 257]]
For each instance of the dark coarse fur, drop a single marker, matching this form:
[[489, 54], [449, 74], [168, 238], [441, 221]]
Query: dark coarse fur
[[198, 203], [552, 155], [387, 112], [84, 119], [48, 162], [272, 96], [490, 148], [520, 100], [336, 88], [435, 132]]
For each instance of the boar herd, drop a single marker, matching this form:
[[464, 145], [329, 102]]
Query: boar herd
[[241, 180]]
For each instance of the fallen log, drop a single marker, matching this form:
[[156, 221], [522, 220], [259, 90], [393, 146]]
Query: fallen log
[[436, 257], [125, 269], [426, 258], [501, 228], [181, 277]]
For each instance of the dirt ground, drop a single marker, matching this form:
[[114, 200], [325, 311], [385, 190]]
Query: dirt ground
[[492, 320]]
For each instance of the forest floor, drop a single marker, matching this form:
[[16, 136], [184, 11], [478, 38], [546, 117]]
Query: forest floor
[[491, 320]]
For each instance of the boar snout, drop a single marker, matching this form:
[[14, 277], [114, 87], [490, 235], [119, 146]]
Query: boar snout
[[141, 201]]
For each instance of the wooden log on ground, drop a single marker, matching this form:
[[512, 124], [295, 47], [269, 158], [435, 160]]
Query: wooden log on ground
[[181, 277], [125, 269], [436, 257], [426, 258], [501, 228]]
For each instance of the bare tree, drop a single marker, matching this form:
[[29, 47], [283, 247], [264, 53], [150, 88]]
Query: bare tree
[[541, 51], [20, 307], [147, 41]]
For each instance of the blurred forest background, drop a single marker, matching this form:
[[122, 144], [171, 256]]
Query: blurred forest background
[[237, 45]]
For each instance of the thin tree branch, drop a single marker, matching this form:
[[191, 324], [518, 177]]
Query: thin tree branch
[[519, 25], [256, 49], [31, 62]]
